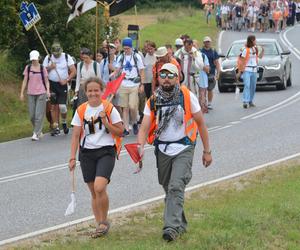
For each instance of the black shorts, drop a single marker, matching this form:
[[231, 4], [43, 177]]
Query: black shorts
[[59, 93], [97, 162]]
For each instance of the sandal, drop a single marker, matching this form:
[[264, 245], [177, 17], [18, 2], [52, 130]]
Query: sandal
[[101, 231]]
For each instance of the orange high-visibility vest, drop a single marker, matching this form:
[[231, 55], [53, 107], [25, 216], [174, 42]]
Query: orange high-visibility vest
[[190, 125], [242, 61], [108, 109]]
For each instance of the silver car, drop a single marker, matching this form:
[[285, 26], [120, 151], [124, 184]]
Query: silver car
[[275, 68]]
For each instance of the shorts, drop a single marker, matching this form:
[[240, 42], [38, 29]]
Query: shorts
[[211, 84], [59, 93], [97, 162], [129, 97]]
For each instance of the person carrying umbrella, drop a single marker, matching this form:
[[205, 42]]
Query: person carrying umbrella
[[172, 119]]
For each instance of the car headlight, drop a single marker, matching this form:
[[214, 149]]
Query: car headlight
[[227, 69], [274, 66]]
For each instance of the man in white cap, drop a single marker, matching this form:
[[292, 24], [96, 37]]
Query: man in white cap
[[178, 44], [172, 118], [214, 66]]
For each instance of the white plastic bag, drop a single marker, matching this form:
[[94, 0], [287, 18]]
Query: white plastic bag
[[237, 92], [71, 207]]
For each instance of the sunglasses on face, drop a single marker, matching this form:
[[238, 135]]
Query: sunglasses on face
[[169, 75]]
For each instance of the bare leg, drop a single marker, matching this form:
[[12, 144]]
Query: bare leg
[[102, 201], [126, 118]]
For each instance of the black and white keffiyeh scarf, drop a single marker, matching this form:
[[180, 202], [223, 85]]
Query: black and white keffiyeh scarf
[[170, 100]]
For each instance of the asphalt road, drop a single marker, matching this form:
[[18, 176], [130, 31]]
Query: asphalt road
[[35, 182]]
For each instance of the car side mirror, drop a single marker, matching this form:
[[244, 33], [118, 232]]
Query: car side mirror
[[285, 53]]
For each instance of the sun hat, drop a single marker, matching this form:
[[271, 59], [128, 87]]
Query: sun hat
[[161, 51]]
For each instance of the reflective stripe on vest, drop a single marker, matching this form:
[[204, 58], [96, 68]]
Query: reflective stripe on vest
[[108, 109]]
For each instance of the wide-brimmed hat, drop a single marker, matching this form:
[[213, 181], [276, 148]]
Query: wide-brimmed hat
[[169, 67], [161, 51]]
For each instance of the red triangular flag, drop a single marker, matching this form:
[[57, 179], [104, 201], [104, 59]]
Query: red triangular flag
[[133, 151], [113, 86]]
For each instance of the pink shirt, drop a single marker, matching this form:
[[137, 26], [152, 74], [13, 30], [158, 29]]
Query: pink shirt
[[35, 83]]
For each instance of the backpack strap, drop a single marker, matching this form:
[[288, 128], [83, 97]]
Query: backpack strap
[[28, 72], [95, 67], [80, 68], [43, 77]]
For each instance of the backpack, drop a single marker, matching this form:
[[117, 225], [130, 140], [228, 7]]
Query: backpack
[[41, 72], [94, 67], [135, 59]]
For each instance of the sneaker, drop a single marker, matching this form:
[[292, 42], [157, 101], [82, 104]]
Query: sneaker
[[41, 135], [34, 137], [251, 104], [245, 105], [55, 132], [125, 133], [135, 129], [65, 128], [169, 235], [209, 106]]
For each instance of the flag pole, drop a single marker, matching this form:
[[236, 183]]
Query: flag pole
[[97, 28], [45, 48]]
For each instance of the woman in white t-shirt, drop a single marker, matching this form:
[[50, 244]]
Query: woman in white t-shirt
[[85, 69], [251, 55], [96, 127]]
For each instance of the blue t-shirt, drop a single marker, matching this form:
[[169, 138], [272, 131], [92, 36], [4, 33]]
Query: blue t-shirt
[[212, 55]]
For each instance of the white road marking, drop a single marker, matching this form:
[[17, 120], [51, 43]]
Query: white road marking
[[221, 128], [212, 128], [144, 202], [285, 40], [235, 122], [273, 110]]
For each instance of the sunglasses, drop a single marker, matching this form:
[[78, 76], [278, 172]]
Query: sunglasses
[[169, 75]]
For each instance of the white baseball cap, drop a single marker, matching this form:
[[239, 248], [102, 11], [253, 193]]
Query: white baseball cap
[[34, 55], [207, 39], [179, 42], [170, 67]]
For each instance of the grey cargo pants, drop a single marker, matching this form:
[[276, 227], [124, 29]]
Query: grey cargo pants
[[174, 173]]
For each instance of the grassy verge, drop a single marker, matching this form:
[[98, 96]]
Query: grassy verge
[[257, 211], [159, 27]]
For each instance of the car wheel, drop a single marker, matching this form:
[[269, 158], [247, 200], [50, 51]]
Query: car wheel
[[283, 84], [222, 89], [289, 81]]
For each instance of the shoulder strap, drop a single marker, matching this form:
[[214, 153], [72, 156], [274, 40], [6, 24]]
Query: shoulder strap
[[80, 68], [95, 67], [67, 58], [135, 62], [28, 72], [43, 77], [81, 110]]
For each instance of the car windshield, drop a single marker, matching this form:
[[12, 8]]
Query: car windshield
[[270, 49]]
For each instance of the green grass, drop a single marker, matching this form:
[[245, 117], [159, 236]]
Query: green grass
[[258, 211], [171, 25]]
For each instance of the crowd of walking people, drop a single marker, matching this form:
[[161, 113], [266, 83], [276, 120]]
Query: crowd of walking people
[[251, 15], [48, 84]]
